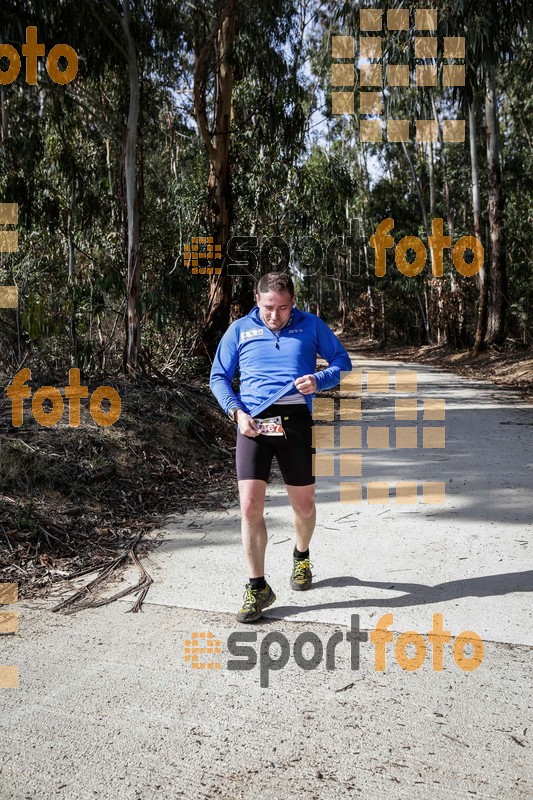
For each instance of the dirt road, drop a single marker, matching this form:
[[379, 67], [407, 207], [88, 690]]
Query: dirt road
[[109, 707]]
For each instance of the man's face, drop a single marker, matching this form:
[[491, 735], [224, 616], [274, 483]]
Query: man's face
[[275, 308]]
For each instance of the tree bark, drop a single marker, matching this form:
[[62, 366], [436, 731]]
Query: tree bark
[[383, 324], [497, 305], [220, 40], [418, 188], [363, 167], [371, 304], [422, 202], [431, 175], [110, 192], [4, 127], [481, 325], [454, 326], [133, 324], [71, 275]]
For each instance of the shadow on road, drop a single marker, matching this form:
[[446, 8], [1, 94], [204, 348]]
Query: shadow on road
[[419, 593]]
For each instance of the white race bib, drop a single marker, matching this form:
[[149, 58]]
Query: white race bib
[[271, 426]]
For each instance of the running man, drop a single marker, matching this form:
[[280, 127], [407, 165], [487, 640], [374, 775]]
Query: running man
[[275, 348]]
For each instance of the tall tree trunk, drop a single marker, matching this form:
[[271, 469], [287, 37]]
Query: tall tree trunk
[[423, 209], [70, 231], [133, 324], [437, 281], [383, 321], [418, 188], [431, 174], [483, 286], [342, 299], [342, 261], [220, 39], [447, 190], [498, 274], [363, 168], [371, 304], [454, 327], [4, 127], [110, 192], [71, 271]]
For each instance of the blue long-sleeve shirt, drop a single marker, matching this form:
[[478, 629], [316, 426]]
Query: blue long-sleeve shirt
[[267, 372]]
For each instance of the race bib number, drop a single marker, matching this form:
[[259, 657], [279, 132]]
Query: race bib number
[[271, 426]]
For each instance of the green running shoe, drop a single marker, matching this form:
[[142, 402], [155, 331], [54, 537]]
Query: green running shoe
[[255, 600], [301, 577]]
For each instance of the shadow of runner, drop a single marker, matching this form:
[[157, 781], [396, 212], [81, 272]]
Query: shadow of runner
[[418, 593]]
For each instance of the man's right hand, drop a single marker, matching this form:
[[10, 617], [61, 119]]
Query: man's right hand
[[247, 425]]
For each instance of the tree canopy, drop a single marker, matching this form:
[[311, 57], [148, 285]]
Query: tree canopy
[[214, 121]]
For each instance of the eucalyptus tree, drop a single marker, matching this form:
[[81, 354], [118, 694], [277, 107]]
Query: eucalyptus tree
[[248, 101], [493, 31]]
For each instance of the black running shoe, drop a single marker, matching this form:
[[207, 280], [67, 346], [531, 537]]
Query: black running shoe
[[255, 600], [301, 577]]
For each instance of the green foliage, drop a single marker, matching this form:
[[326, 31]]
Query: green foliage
[[296, 172]]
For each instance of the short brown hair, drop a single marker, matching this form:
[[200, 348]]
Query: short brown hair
[[275, 282]]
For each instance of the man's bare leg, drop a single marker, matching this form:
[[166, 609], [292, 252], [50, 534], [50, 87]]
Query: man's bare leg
[[302, 500], [253, 528]]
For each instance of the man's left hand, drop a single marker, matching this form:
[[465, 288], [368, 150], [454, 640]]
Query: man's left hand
[[306, 384]]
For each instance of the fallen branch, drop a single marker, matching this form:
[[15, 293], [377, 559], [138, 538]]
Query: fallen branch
[[78, 601]]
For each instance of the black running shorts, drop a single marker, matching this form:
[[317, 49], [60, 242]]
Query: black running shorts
[[294, 454]]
